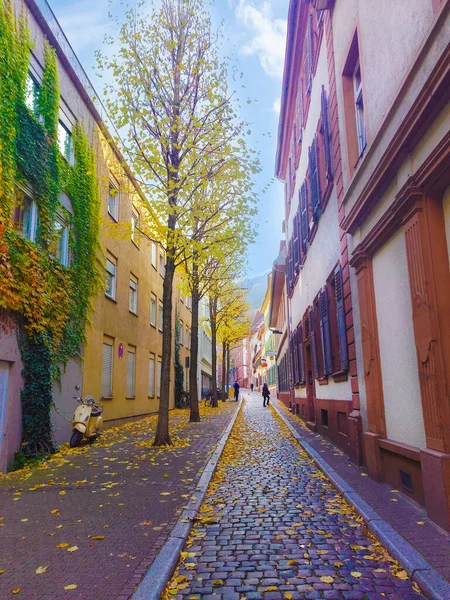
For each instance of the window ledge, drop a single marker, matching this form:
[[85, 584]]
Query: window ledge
[[107, 398], [135, 244], [131, 397], [323, 381], [340, 376], [153, 325], [111, 298], [133, 313], [113, 217]]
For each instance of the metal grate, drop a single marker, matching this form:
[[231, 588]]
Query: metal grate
[[406, 481]]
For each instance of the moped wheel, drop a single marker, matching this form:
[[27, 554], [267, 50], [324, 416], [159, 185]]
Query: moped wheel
[[76, 438]]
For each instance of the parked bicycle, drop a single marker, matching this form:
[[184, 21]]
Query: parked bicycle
[[208, 398], [185, 400]]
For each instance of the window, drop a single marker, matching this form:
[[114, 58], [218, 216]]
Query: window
[[151, 377], [131, 371], [161, 263], [153, 310], [107, 366], [359, 108], [32, 94], [353, 102], [159, 377], [160, 315], [61, 240], [187, 342], [26, 217], [113, 201], [133, 294], [135, 227], [65, 142], [111, 268], [181, 333], [154, 255]]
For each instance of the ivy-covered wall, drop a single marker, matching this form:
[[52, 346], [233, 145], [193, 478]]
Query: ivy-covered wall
[[47, 301]]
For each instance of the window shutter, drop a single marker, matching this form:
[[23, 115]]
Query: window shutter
[[312, 328], [340, 312], [107, 361], [295, 361], [325, 332], [293, 155], [301, 356], [304, 214], [296, 243], [314, 179], [300, 111], [291, 264], [326, 135], [151, 377], [130, 374], [308, 55]]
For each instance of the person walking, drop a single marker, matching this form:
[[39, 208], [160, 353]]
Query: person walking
[[236, 391], [266, 395], [251, 387]]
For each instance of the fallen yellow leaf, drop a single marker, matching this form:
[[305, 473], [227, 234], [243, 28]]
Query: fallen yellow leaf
[[401, 575], [326, 579], [71, 586], [63, 545], [217, 582], [355, 574], [72, 549], [16, 591], [420, 522], [98, 537], [288, 596], [292, 562], [40, 570]]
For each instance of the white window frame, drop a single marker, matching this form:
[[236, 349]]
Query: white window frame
[[181, 335], [160, 316], [133, 299], [135, 221], [359, 109], [158, 382], [30, 233], [67, 153], [154, 255], [109, 392], [31, 90], [114, 200], [151, 376], [187, 338], [112, 271], [131, 385], [64, 241], [162, 263], [153, 309]]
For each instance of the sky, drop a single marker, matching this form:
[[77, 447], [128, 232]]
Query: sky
[[254, 36]]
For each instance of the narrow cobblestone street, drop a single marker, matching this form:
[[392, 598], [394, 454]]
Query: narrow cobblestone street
[[272, 527]]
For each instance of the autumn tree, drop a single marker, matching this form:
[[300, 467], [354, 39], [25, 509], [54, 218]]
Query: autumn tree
[[179, 129]]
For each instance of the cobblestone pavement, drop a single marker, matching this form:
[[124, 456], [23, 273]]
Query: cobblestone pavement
[[272, 527], [121, 490]]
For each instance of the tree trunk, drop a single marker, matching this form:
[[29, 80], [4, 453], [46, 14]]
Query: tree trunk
[[213, 321], [162, 437], [193, 383], [228, 367], [224, 368]]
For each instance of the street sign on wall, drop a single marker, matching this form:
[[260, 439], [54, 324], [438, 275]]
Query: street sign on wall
[[271, 352]]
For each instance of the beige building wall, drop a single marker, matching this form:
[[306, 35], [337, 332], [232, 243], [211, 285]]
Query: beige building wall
[[401, 389]]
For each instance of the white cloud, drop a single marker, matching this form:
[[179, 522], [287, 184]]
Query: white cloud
[[269, 35], [84, 23], [276, 105]]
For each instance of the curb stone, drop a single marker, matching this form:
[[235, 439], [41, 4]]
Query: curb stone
[[161, 570], [430, 581]]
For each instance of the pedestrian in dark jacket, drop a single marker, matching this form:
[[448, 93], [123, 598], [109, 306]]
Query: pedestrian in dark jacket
[[266, 395], [236, 391]]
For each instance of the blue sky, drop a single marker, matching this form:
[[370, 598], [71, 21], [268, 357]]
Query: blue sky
[[254, 36]]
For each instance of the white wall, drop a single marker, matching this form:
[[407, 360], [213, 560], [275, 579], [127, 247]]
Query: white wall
[[401, 389], [446, 203]]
